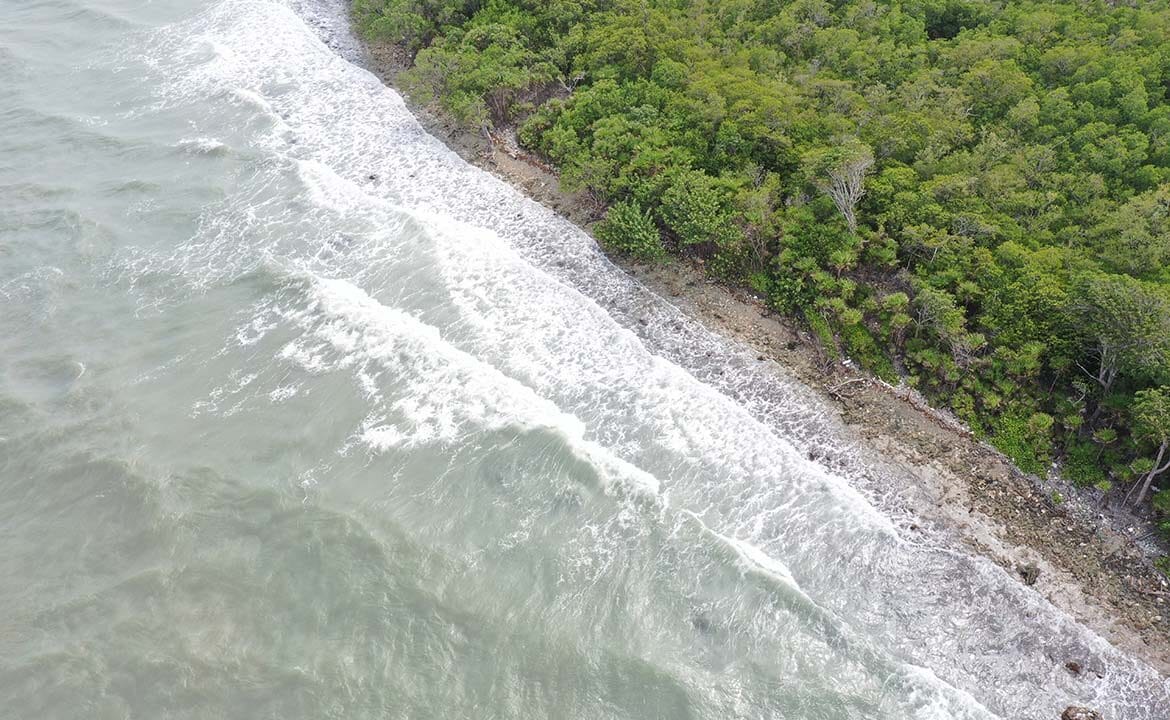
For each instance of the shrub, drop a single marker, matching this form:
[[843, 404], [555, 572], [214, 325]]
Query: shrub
[[860, 345], [1024, 437], [820, 327], [1163, 563], [1162, 501], [630, 229], [1082, 466], [394, 22], [693, 208]]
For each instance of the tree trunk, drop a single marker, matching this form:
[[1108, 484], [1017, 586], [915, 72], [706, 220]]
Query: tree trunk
[[1105, 378], [1154, 472]]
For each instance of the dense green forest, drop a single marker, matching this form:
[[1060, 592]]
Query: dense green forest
[[970, 196]]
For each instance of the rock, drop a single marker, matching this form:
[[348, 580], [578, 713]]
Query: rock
[[1030, 573], [1073, 712]]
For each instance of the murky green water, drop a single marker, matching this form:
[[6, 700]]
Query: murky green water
[[302, 417]]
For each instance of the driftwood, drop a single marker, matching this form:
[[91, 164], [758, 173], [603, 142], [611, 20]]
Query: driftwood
[[835, 391]]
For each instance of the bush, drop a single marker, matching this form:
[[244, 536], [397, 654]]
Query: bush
[[1082, 467], [1024, 437], [1162, 502], [790, 288], [1163, 563], [693, 208], [824, 333], [394, 22], [860, 345], [630, 229]]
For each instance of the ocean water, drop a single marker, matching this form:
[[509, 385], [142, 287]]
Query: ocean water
[[303, 417]]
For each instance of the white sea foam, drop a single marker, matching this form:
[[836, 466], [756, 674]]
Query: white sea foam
[[441, 395]]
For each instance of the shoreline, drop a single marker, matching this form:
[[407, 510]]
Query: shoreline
[[1087, 561]]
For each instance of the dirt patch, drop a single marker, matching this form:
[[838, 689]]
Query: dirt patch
[[1092, 563]]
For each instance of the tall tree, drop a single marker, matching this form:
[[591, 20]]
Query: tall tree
[[840, 173]]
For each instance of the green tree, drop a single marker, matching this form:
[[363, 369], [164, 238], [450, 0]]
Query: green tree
[[1137, 236], [1128, 324]]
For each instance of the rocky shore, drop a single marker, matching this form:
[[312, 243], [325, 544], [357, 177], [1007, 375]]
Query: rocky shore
[[1092, 562]]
